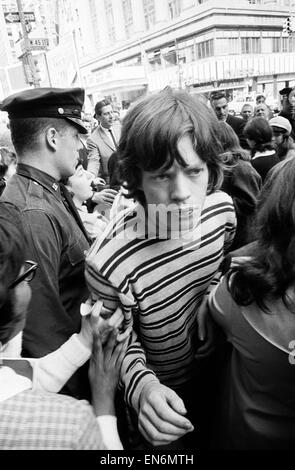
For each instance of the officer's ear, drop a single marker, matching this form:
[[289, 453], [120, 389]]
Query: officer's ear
[[51, 138]]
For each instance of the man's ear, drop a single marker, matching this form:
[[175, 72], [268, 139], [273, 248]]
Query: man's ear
[[51, 138]]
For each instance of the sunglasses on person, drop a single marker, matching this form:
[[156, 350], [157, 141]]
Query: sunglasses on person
[[27, 276]]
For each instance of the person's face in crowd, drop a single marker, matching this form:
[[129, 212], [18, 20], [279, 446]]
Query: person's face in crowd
[[278, 135], [69, 146], [20, 297], [247, 112], [88, 126], [178, 185], [107, 117], [221, 108], [80, 184], [260, 100], [261, 111], [251, 143], [288, 104]]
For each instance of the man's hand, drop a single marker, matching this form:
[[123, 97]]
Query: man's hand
[[104, 372], [161, 415], [105, 196], [98, 181]]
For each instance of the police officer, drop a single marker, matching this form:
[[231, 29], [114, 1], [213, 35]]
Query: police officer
[[45, 125]]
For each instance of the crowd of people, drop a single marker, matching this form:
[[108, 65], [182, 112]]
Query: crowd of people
[[146, 277]]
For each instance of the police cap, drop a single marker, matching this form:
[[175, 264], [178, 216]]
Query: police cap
[[63, 103], [285, 91]]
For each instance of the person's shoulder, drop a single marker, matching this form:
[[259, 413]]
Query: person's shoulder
[[235, 119], [218, 209], [53, 420], [94, 134], [34, 401], [217, 198], [24, 193]]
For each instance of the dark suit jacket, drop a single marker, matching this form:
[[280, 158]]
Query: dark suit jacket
[[100, 148], [292, 122], [238, 125]]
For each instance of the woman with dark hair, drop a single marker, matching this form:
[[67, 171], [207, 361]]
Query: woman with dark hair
[[259, 137], [255, 306], [241, 182]]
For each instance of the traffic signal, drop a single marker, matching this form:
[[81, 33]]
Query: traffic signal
[[287, 25]]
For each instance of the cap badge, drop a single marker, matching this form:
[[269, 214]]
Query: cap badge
[[55, 186], [61, 111]]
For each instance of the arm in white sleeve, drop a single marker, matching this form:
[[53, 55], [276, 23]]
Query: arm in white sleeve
[[51, 372], [109, 432]]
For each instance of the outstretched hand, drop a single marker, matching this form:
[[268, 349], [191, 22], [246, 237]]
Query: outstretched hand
[[104, 371], [105, 196]]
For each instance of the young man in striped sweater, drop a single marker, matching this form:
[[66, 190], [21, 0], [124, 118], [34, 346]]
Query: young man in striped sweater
[[159, 260]]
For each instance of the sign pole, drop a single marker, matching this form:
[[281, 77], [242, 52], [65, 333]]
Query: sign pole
[[28, 57]]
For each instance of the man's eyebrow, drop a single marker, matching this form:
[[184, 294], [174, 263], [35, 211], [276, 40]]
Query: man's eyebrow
[[195, 166]]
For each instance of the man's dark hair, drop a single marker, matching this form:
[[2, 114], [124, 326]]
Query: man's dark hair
[[152, 129], [101, 104], [258, 97], [259, 130], [218, 95], [25, 132]]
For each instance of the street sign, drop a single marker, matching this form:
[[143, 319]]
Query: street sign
[[36, 44], [13, 16]]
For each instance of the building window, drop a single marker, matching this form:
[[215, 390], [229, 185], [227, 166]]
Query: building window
[[154, 59], [110, 20], [174, 8], [132, 62], [169, 55], [205, 49], [149, 13], [128, 17], [234, 46], [283, 44], [276, 44], [94, 22], [251, 46]]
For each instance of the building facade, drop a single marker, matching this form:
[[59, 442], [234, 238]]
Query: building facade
[[145, 45]]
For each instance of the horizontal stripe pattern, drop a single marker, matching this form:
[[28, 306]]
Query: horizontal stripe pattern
[[161, 283]]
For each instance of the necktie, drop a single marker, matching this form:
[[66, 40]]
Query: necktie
[[71, 208], [113, 138]]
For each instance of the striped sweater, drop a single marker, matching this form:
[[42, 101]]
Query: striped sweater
[[159, 285]]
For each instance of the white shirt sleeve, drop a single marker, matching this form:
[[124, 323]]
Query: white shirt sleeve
[[109, 431], [51, 372]]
